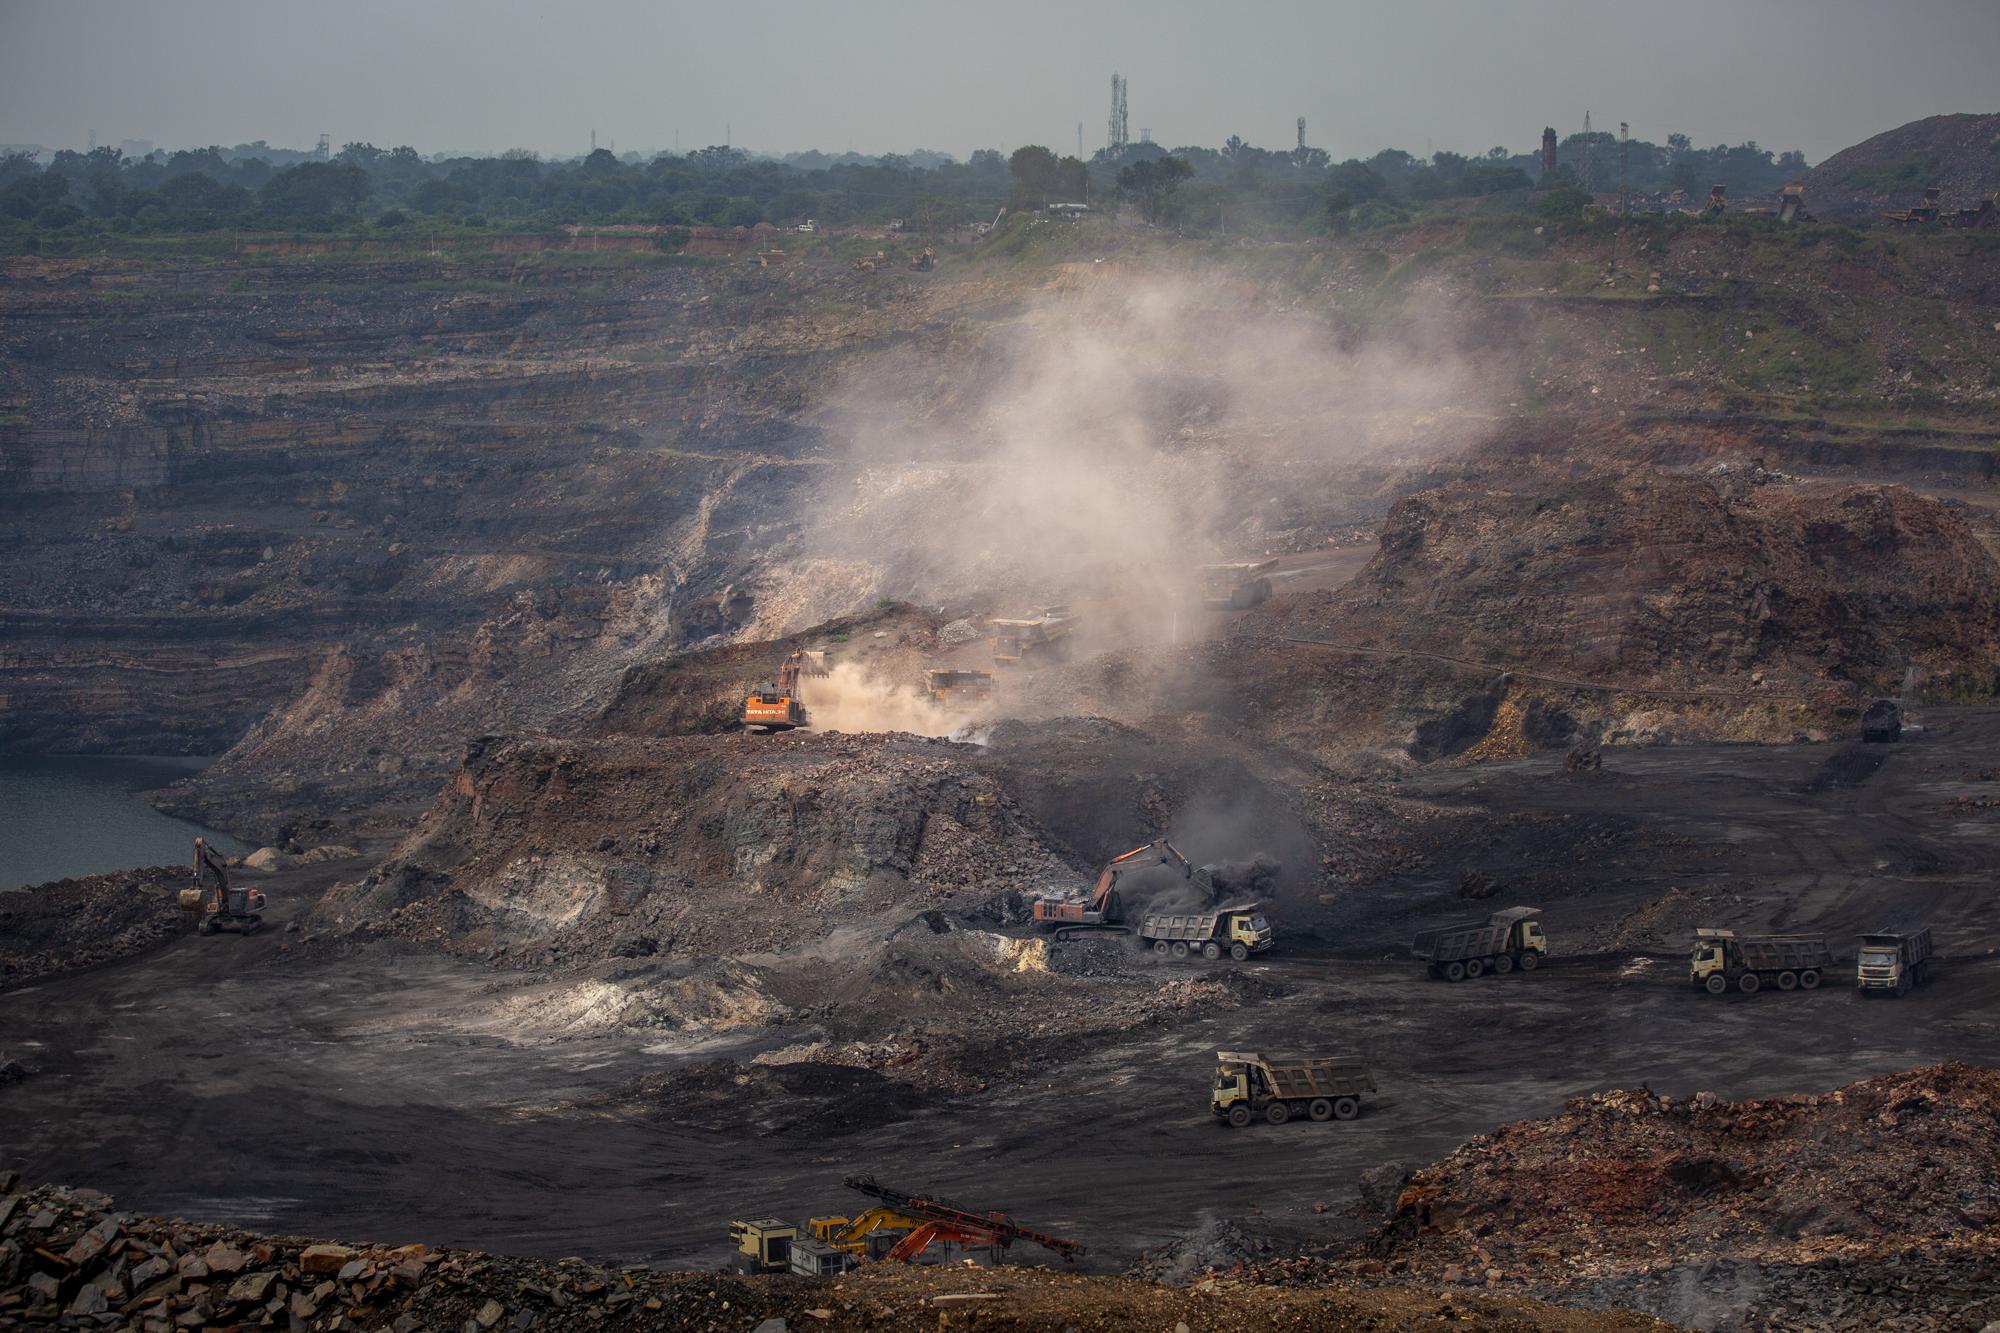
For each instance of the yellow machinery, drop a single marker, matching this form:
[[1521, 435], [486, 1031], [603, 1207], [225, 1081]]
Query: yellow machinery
[[946, 687], [777, 707], [1927, 211], [762, 1246], [1031, 639], [869, 1234]]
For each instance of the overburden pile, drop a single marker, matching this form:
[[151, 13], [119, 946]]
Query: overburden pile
[[76, 923], [1875, 1205]]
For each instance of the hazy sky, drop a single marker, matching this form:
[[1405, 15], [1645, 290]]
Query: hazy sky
[[878, 76]]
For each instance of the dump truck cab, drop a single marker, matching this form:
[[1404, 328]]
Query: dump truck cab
[[1248, 927], [1711, 954], [1232, 1085], [763, 1245]]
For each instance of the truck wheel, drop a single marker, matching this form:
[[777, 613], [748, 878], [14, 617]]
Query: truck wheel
[[1788, 981], [1502, 965], [1530, 961], [1473, 968], [1239, 1116], [1321, 1109], [1180, 948], [1162, 948], [1211, 951], [1716, 983], [1240, 952], [1277, 1113], [1346, 1109], [1749, 983], [1809, 979], [1454, 971]]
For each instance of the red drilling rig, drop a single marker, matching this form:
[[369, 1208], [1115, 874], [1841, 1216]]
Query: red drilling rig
[[945, 1222]]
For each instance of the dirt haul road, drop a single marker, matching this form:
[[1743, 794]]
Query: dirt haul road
[[367, 1093]]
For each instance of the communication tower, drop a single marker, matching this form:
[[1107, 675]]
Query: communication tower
[[325, 148]]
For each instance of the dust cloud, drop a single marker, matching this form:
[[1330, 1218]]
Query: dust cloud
[[1125, 429], [852, 698]]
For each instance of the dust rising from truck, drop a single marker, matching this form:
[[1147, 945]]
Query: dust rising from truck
[[850, 697]]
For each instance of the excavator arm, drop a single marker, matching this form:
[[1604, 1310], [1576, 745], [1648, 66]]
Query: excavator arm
[[210, 871], [1107, 878]]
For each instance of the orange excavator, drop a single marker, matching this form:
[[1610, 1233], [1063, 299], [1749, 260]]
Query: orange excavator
[[1101, 910], [777, 706], [215, 903]]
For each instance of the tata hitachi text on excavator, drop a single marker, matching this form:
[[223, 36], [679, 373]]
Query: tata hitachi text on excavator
[[777, 706]]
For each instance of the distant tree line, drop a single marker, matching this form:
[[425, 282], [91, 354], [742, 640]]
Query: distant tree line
[[1235, 186]]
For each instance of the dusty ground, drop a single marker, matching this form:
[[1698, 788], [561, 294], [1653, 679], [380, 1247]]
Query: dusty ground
[[376, 1091]]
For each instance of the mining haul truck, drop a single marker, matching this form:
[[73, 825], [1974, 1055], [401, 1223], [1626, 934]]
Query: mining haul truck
[[1032, 640], [1238, 931], [1238, 585], [1882, 722], [948, 689], [1722, 959], [1501, 943], [1324, 1088], [1893, 961]]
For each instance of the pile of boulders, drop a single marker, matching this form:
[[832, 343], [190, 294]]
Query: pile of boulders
[[66, 1257]]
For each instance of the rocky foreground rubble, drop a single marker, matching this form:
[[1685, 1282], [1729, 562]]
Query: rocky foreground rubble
[[1874, 1206], [77, 923], [68, 1260]]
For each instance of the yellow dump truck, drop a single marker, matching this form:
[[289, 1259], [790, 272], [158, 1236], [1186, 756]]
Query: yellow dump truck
[[1238, 584], [1722, 959], [1239, 931], [1248, 1085], [951, 689], [1031, 639], [1507, 940], [1892, 961]]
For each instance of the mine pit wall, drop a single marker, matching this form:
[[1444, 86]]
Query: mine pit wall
[[436, 488]]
